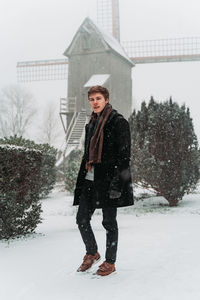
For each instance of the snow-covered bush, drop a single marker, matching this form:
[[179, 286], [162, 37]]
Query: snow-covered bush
[[47, 168], [165, 153], [72, 168], [19, 190]]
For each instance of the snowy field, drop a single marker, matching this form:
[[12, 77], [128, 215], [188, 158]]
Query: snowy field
[[158, 256]]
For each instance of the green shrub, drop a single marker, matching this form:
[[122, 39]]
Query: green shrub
[[19, 190], [47, 169], [73, 165]]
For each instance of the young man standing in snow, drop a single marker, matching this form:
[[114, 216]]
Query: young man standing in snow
[[104, 179]]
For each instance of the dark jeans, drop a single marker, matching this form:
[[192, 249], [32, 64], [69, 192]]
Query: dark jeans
[[84, 214]]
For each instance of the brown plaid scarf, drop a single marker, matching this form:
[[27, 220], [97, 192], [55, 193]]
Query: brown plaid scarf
[[96, 142]]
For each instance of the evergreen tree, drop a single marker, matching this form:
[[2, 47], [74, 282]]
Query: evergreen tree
[[165, 153]]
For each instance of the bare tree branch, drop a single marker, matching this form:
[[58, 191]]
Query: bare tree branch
[[50, 131], [17, 110]]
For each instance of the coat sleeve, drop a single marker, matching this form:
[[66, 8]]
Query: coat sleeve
[[123, 144], [81, 174], [80, 181], [122, 158]]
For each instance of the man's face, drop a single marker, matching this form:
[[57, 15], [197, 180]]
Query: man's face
[[97, 102]]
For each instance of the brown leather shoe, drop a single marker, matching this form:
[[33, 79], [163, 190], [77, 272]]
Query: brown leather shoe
[[88, 261], [105, 269]]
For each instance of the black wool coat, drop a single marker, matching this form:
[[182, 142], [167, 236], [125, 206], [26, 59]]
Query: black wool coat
[[113, 173]]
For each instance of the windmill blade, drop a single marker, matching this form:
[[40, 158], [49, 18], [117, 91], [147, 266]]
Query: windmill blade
[[108, 16], [42, 70], [163, 50]]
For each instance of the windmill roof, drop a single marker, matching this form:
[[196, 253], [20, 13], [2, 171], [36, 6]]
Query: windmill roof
[[110, 41]]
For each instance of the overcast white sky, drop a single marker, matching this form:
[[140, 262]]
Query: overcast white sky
[[42, 29]]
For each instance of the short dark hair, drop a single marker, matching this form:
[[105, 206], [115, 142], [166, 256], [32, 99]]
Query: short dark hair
[[99, 89]]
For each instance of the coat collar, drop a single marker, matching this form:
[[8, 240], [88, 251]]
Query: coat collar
[[114, 113]]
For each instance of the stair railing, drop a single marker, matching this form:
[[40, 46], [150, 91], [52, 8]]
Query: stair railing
[[67, 105], [71, 125]]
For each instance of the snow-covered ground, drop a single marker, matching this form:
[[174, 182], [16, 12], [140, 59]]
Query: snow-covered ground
[[158, 256]]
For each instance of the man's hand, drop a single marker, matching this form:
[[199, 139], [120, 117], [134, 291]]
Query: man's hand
[[114, 194]]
